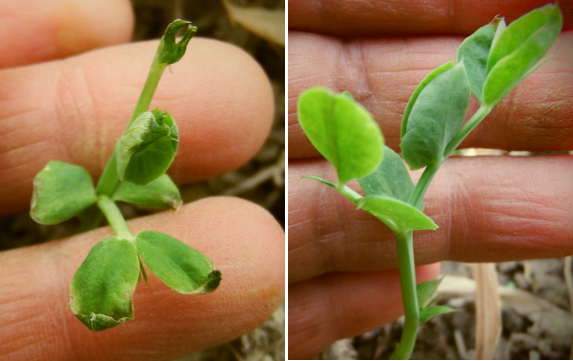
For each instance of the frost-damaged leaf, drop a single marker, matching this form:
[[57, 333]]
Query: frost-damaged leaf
[[391, 178], [399, 216], [147, 148], [436, 117], [517, 50], [427, 313], [269, 24], [61, 191], [343, 131], [102, 288], [181, 267], [474, 52], [159, 193]]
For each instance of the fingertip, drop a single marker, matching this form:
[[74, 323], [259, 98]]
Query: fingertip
[[57, 29], [339, 305], [235, 93], [75, 110], [245, 243]]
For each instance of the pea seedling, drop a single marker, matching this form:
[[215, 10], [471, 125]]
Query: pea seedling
[[102, 289], [489, 64]]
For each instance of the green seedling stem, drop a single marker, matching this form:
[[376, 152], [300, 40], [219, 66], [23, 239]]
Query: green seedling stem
[[102, 288], [489, 64], [406, 266], [109, 178]]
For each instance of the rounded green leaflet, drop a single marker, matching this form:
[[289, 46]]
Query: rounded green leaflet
[[102, 289], [182, 268], [343, 131], [147, 148], [61, 191], [518, 49], [399, 216], [159, 193]]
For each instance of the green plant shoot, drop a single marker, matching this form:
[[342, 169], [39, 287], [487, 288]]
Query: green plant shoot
[[489, 64], [102, 289]]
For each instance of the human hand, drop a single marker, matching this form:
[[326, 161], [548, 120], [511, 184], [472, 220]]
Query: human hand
[[74, 110], [489, 209]]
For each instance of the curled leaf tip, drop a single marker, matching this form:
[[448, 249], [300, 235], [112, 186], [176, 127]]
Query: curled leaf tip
[[170, 50]]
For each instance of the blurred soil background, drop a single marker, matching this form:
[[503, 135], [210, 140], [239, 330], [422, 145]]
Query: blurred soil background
[[534, 318], [535, 315], [257, 26]]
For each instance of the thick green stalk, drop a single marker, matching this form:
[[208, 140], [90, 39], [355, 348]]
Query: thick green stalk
[[407, 269], [114, 217], [423, 184], [406, 249], [155, 73]]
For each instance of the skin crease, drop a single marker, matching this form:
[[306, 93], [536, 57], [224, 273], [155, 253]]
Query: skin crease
[[60, 28], [383, 73], [342, 276], [343, 18], [73, 110]]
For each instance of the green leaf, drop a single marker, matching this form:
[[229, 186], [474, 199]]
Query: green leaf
[[399, 216], [433, 74], [179, 266], [147, 148], [436, 117], [102, 288], [170, 50], [426, 289], [159, 193], [501, 26], [518, 48], [391, 178], [474, 52], [342, 131], [428, 313], [61, 191]]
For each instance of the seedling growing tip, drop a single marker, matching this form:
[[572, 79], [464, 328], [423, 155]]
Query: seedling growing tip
[[102, 289], [489, 64]]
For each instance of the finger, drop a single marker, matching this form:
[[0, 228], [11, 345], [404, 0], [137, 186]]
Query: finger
[[383, 73], [245, 243], [75, 110], [343, 304], [346, 18], [489, 209], [59, 28]]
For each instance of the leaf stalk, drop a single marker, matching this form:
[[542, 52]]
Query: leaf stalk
[[114, 217]]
